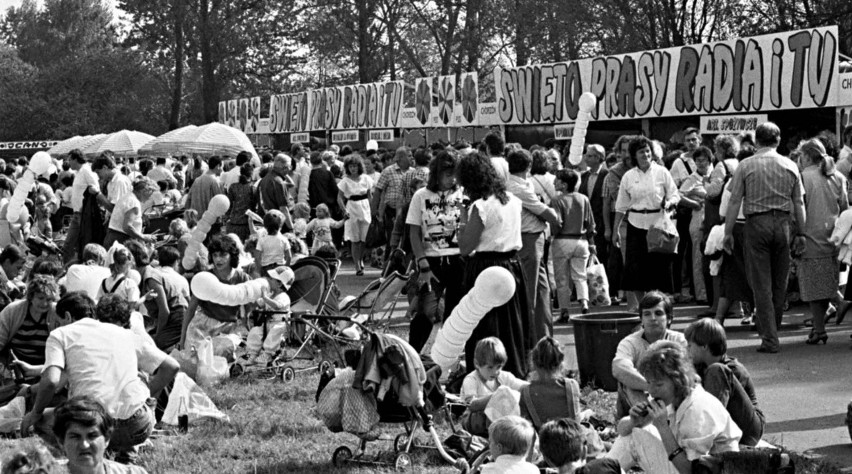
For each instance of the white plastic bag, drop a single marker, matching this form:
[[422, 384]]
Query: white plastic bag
[[504, 402], [198, 404], [212, 369], [662, 237], [598, 283], [12, 414], [188, 360]]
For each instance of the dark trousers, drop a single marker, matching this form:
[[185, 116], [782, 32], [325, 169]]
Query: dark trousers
[[69, 250], [387, 224], [614, 263], [683, 258], [531, 256], [767, 256], [602, 252], [450, 274]]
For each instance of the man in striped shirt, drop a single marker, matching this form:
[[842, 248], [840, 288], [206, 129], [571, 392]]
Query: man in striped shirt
[[769, 187]]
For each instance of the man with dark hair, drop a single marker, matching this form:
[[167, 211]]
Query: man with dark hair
[[162, 171], [535, 215], [591, 185], [609, 193], [389, 195], [322, 188], [102, 360], [564, 445], [12, 260], [422, 157], [85, 182], [84, 428], [725, 377], [118, 185], [769, 188], [496, 146], [205, 187], [233, 176], [681, 169]]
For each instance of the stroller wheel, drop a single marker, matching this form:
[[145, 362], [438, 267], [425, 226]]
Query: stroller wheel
[[399, 443], [402, 462], [237, 370], [288, 374], [341, 456], [325, 366]]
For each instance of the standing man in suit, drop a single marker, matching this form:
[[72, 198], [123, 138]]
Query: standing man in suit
[[591, 185]]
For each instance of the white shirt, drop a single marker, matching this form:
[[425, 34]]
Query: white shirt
[[118, 187], [273, 249], [474, 388], [701, 425], [84, 179], [501, 224], [102, 360], [86, 278], [646, 190], [502, 166], [437, 215], [116, 219], [230, 177], [510, 464], [679, 169], [161, 173]]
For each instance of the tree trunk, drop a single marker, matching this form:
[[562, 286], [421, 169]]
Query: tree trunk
[[522, 54], [472, 34], [177, 92], [364, 75], [209, 88]]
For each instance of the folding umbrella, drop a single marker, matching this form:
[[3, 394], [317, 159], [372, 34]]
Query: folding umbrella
[[121, 143]]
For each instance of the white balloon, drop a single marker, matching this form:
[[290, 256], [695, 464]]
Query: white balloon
[[588, 101], [372, 145], [16, 207], [217, 208], [206, 287], [40, 163], [492, 288]]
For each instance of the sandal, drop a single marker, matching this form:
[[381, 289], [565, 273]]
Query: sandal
[[816, 338]]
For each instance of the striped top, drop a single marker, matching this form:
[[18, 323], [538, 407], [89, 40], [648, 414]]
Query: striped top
[[29, 342], [765, 182]]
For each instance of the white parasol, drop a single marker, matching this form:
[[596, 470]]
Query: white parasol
[[81, 142], [211, 139], [160, 145], [121, 143]]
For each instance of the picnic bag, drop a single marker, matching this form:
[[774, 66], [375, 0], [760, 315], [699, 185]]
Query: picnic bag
[[662, 236], [375, 235], [598, 283]]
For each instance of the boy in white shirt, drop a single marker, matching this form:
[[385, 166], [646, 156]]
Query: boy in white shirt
[[510, 439]]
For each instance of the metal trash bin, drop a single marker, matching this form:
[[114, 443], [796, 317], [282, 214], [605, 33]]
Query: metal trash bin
[[596, 337]]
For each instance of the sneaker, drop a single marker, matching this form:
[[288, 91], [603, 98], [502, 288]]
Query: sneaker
[[747, 320], [263, 359]]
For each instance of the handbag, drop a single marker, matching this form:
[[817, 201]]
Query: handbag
[[375, 235], [424, 299], [662, 237], [598, 283]]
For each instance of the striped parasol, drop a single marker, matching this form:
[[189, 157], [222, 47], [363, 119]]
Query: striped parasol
[[81, 142], [156, 146], [211, 139]]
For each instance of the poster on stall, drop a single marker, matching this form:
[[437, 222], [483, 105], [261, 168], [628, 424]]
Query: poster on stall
[[223, 113], [233, 105], [467, 107], [446, 101], [789, 70]]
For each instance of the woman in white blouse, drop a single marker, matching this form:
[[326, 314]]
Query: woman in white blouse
[[680, 424], [646, 192], [490, 235], [354, 196]]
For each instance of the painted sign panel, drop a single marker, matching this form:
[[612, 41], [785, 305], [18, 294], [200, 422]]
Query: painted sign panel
[[300, 137], [844, 96], [563, 131], [223, 112], [787, 70], [31, 145], [731, 123], [345, 136], [446, 101], [423, 100], [467, 107], [380, 135]]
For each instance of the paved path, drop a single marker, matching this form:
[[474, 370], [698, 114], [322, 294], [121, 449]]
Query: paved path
[[803, 390]]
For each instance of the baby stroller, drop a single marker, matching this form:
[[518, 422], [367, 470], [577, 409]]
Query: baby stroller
[[392, 360], [377, 301]]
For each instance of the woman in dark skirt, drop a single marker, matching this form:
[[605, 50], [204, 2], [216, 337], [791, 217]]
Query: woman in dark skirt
[[490, 236], [646, 192]]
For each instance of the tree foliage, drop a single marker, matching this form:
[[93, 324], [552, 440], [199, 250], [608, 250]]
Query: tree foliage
[[66, 68]]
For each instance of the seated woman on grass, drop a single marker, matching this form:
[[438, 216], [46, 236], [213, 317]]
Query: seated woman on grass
[[680, 424]]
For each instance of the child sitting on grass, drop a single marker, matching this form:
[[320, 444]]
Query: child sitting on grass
[[510, 440], [725, 377], [321, 227], [273, 249], [260, 351], [478, 386], [564, 446]]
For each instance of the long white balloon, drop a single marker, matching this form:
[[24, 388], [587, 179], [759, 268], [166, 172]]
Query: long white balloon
[[587, 103], [217, 208], [38, 165], [492, 288], [206, 287]]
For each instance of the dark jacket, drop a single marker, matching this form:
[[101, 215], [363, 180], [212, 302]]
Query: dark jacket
[[595, 198]]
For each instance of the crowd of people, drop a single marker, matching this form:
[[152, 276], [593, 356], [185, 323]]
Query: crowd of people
[[91, 295]]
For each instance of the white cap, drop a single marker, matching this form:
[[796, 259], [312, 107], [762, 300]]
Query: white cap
[[284, 274]]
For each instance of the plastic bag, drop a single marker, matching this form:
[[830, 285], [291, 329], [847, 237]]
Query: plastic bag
[[662, 236], [198, 404], [598, 283], [212, 369], [188, 361], [12, 414], [504, 402]]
